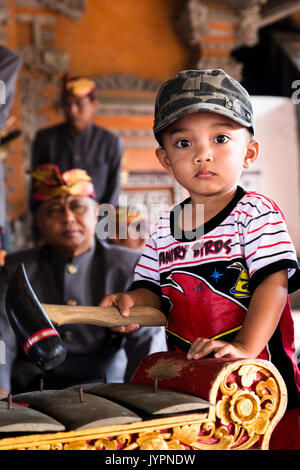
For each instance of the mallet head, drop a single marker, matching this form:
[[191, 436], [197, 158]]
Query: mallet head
[[33, 329]]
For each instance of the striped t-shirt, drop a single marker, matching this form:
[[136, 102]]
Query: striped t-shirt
[[205, 283]]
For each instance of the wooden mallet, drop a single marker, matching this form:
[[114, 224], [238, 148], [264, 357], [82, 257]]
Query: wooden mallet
[[32, 322]]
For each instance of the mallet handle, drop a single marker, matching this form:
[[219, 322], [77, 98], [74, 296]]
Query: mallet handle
[[103, 316]]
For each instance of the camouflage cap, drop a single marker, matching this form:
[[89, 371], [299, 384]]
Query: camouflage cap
[[191, 91]]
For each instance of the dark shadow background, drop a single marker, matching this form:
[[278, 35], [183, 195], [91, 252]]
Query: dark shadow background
[[268, 70]]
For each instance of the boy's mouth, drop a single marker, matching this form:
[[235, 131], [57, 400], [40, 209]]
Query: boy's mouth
[[204, 174]]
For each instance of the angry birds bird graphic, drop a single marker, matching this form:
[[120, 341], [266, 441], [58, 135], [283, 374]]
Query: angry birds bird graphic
[[241, 287], [197, 308]]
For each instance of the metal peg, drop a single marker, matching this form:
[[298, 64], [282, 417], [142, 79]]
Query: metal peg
[[81, 399], [9, 401]]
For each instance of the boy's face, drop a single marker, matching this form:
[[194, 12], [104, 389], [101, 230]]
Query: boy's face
[[206, 153]]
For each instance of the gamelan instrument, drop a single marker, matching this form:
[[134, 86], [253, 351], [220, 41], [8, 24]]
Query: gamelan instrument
[[171, 403]]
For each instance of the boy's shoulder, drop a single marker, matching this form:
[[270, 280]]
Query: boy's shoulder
[[255, 210], [258, 202]]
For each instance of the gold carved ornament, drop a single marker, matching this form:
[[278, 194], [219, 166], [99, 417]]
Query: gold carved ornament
[[249, 400]]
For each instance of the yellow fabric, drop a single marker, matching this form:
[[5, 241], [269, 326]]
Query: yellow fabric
[[80, 87]]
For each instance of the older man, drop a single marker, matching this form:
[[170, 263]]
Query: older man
[[73, 268]]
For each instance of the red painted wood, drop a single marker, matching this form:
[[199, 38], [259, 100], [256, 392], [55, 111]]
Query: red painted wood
[[190, 376]]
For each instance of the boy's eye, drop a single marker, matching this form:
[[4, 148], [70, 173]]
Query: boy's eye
[[221, 139], [183, 143]]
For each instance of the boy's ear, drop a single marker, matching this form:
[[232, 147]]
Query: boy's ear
[[161, 155], [251, 154]]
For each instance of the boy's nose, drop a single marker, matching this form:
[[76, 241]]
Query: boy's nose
[[203, 154]]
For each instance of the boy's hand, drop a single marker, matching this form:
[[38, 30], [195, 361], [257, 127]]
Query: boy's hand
[[123, 302], [202, 347]]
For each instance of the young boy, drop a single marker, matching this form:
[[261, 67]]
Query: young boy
[[223, 282]]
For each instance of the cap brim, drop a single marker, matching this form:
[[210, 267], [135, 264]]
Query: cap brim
[[198, 107]]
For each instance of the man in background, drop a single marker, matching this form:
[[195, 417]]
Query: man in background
[[79, 143]]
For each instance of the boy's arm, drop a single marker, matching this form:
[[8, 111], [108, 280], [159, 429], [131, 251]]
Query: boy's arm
[[267, 303], [125, 300]]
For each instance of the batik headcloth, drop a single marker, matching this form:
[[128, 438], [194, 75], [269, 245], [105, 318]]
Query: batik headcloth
[[49, 182], [80, 87]]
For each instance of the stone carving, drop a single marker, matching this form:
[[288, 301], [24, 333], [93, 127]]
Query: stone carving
[[247, 24], [31, 103], [195, 24], [192, 23], [73, 9], [36, 56], [46, 61], [125, 82], [129, 103], [4, 12], [4, 19]]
